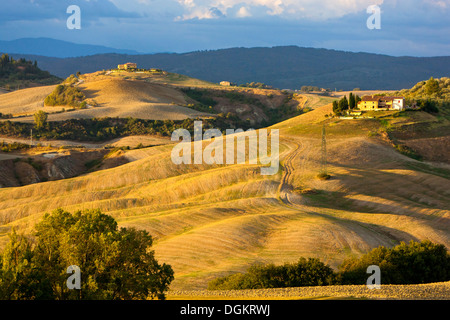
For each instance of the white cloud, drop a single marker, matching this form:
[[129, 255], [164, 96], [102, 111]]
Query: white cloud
[[243, 13], [439, 3], [291, 9]]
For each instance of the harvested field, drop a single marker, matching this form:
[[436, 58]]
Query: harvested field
[[26, 101], [209, 221], [127, 98], [431, 291]]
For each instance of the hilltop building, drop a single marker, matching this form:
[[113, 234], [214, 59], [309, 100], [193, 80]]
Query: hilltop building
[[225, 83], [127, 66], [380, 103]]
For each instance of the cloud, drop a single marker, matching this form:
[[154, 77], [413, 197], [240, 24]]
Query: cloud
[[32, 10], [202, 13], [289, 9], [243, 13]]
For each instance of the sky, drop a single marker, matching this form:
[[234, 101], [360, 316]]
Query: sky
[[406, 27]]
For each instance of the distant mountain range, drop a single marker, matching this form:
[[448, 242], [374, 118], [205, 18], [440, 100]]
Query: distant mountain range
[[288, 67], [56, 48]]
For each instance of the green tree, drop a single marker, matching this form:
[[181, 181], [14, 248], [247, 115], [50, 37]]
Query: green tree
[[416, 262], [351, 101], [343, 104], [432, 86], [40, 119], [306, 272], [336, 109], [20, 278], [115, 263]]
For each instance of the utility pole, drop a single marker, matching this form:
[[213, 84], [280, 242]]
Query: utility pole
[[31, 144], [323, 169]]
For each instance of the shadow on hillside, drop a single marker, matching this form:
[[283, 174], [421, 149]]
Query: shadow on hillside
[[387, 233], [395, 193], [92, 94]]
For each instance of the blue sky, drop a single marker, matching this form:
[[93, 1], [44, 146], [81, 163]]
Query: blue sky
[[408, 27]]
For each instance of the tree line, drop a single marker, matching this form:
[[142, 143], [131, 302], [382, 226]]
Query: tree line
[[341, 106], [104, 129], [412, 263]]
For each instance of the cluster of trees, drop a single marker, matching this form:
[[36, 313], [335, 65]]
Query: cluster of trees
[[114, 263], [433, 89], [429, 105], [5, 115], [66, 95], [413, 263], [344, 104], [306, 272], [407, 263], [19, 71], [201, 96], [15, 129], [429, 96], [256, 85], [313, 88], [103, 129], [8, 147], [207, 102]]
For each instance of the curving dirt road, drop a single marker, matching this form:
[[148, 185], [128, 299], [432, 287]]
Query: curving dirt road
[[284, 188]]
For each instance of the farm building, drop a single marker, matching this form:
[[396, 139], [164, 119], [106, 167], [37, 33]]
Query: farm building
[[126, 66], [379, 103]]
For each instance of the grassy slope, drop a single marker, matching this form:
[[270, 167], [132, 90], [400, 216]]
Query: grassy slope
[[121, 94], [115, 98], [150, 96], [209, 220], [26, 101]]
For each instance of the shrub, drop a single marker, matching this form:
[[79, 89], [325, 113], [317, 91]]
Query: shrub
[[65, 95], [306, 272], [407, 151], [413, 263], [416, 262], [323, 176]]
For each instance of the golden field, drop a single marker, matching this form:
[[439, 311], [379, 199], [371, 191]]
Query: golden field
[[212, 220]]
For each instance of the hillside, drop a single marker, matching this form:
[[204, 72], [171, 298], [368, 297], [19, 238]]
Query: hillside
[[56, 48], [114, 98], [16, 74], [281, 67], [156, 96], [212, 220]]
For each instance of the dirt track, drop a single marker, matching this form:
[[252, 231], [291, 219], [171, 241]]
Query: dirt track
[[432, 291]]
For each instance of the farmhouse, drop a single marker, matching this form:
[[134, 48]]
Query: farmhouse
[[225, 83], [379, 103], [126, 66]]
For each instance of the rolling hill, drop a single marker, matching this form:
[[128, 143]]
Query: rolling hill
[[282, 67], [160, 96], [21, 73], [212, 220], [114, 97]]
